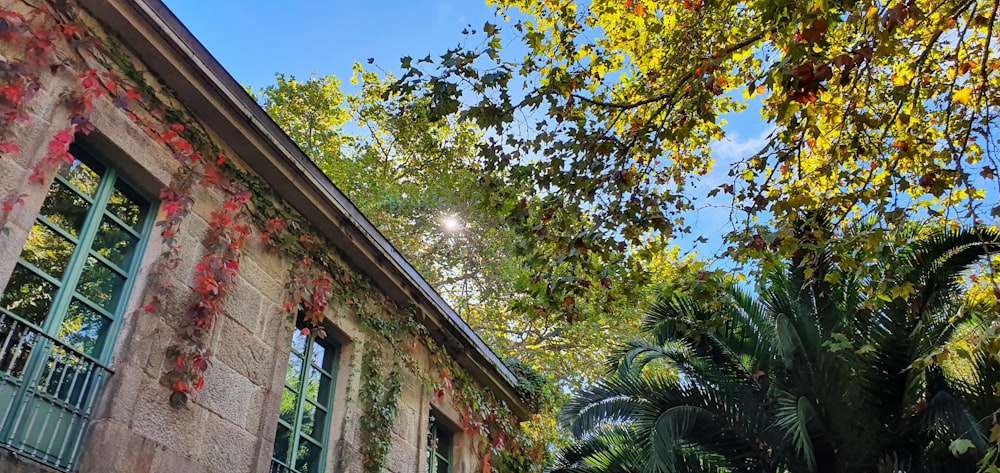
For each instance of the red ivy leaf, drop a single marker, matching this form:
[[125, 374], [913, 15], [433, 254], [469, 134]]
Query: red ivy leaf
[[9, 148]]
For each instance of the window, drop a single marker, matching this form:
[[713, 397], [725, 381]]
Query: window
[[439, 442], [62, 307], [306, 402]]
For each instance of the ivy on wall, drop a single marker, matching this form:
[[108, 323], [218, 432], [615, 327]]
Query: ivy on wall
[[48, 43]]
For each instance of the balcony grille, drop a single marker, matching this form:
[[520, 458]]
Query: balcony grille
[[278, 467], [47, 394]]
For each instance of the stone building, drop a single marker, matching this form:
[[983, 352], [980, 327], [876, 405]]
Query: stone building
[[128, 345]]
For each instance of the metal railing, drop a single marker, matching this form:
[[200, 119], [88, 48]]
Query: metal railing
[[47, 394], [279, 467]]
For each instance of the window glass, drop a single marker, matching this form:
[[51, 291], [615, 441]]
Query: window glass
[[439, 441], [62, 305], [299, 444]]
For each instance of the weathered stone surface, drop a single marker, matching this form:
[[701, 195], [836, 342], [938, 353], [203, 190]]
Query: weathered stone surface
[[237, 347], [403, 456], [179, 430], [166, 461], [276, 326], [227, 447], [121, 393], [243, 304], [406, 423], [112, 449], [262, 417], [227, 393], [271, 283]]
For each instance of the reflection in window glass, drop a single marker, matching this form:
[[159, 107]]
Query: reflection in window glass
[[64, 302], [81, 176], [27, 296], [308, 458], [61, 285], [47, 251], [115, 243], [65, 209], [305, 405], [100, 284], [83, 328], [128, 209]]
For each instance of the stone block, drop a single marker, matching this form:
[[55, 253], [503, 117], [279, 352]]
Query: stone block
[[165, 461], [276, 326], [237, 347], [262, 464], [263, 417], [406, 423], [33, 136], [243, 304], [113, 448], [178, 430], [274, 266], [227, 447], [121, 392], [144, 162], [227, 393], [403, 456], [270, 284]]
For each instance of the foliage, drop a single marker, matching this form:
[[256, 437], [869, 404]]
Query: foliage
[[425, 187], [880, 109], [811, 376], [379, 397]]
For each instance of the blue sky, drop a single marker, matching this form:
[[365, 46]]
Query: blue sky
[[254, 39]]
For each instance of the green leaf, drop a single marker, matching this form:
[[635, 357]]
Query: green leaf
[[959, 447]]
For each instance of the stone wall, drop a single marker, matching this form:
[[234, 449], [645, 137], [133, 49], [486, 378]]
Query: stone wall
[[230, 427]]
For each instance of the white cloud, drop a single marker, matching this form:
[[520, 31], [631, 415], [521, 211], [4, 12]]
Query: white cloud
[[734, 146]]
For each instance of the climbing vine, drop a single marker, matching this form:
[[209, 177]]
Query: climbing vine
[[39, 38]]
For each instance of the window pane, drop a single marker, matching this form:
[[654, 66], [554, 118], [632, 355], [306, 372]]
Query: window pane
[[319, 355], [47, 251], [65, 208], [83, 328], [115, 243], [100, 284], [307, 458], [313, 382], [282, 442], [128, 207], [299, 342], [82, 177], [293, 375], [313, 420], [287, 412], [28, 295]]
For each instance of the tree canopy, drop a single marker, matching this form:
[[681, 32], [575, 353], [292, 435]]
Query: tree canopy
[[881, 111], [466, 228]]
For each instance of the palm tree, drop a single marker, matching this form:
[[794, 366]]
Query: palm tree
[[812, 375]]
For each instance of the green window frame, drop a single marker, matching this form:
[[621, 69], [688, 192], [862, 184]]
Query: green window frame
[[63, 306], [306, 405], [439, 446]]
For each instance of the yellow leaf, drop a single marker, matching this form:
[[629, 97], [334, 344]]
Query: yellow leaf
[[963, 96]]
